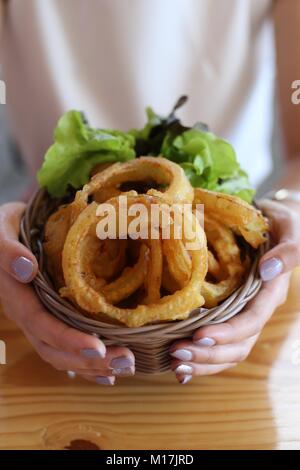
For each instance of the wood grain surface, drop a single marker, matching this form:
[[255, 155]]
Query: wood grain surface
[[254, 406]]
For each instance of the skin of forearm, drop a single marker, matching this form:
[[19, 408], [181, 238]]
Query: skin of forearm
[[290, 180], [287, 39], [291, 175]]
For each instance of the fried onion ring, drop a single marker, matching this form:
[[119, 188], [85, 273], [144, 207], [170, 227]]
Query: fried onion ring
[[130, 280], [171, 307], [214, 267], [109, 258], [154, 278], [178, 261], [236, 214], [227, 251], [143, 169], [142, 281], [56, 231]]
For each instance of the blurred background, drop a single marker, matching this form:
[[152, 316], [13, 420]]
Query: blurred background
[[14, 179], [249, 133]]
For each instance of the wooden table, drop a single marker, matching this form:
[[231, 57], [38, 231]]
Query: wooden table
[[254, 406]]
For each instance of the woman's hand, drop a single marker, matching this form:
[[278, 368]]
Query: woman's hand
[[65, 348], [215, 348]]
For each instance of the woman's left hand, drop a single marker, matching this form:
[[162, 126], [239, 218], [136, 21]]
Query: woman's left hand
[[215, 348]]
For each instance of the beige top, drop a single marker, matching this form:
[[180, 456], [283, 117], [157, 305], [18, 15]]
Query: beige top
[[111, 58]]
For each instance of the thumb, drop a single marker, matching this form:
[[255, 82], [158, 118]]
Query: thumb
[[284, 256], [15, 258], [281, 259]]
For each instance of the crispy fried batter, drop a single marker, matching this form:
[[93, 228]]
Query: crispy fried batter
[[236, 214], [166, 277], [231, 267], [56, 231], [171, 307]]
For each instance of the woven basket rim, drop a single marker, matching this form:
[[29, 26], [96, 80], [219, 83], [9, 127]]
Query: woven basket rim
[[50, 296]]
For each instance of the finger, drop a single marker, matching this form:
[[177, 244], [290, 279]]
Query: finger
[[281, 218], [15, 258], [229, 353], [281, 259], [37, 323], [71, 374], [185, 372], [91, 349], [250, 322], [119, 361], [286, 254], [102, 373], [25, 309], [65, 361], [100, 380]]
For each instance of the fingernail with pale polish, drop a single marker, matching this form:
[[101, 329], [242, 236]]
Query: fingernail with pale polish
[[183, 369], [270, 269], [22, 268], [71, 374], [121, 363], [186, 379], [123, 372], [205, 342], [102, 380], [90, 353], [182, 354]]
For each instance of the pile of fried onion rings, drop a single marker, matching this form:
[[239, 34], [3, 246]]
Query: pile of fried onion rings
[[135, 281]]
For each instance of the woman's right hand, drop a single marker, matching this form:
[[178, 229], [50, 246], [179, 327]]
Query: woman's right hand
[[65, 348]]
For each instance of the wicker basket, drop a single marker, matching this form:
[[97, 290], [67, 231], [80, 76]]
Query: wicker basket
[[150, 343]]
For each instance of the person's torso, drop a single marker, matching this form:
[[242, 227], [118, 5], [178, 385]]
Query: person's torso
[[111, 58]]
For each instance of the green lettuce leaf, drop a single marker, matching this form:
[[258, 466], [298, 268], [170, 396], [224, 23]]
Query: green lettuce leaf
[[238, 185], [77, 149], [208, 161]]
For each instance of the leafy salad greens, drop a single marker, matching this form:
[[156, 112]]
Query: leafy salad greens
[[207, 160]]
